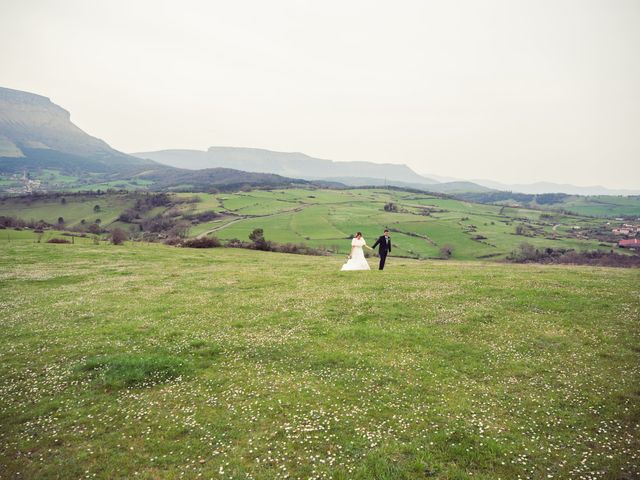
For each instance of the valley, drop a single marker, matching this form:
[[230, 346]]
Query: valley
[[421, 224]]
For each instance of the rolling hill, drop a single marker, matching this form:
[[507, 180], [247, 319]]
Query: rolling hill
[[36, 133], [421, 224]]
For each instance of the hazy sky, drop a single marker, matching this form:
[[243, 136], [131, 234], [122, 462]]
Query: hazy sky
[[515, 91]]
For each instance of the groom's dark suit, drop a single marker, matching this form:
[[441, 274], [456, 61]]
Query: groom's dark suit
[[385, 248]]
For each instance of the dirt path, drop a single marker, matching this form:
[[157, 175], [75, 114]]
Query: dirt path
[[220, 227], [245, 217]]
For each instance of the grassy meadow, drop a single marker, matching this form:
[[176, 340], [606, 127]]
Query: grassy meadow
[[153, 362]]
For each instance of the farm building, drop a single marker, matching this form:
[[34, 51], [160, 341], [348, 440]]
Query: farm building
[[631, 243]]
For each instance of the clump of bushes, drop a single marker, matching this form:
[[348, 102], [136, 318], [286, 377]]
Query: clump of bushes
[[527, 253], [174, 241], [237, 243], [118, 236], [15, 223], [258, 242], [201, 242], [58, 240], [201, 217], [446, 251], [297, 248]]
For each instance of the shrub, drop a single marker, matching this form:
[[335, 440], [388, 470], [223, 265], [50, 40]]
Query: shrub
[[202, 242], [180, 229], [128, 215], [118, 236], [158, 224], [527, 253], [58, 240], [258, 240], [173, 241], [237, 243], [446, 251], [257, 235], [201, 216]]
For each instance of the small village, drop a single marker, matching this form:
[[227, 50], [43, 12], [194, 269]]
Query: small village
[[631, 233], [23, 183]]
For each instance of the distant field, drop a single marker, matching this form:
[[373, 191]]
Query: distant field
[[605, 206], [73, 211], [422, 225], [609, 206], [325, 218], [153, 362]]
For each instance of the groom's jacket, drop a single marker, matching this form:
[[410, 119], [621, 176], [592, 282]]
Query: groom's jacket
[[385, 245]]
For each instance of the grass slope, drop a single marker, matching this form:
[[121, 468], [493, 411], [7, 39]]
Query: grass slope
[[76, 208], [147, 361], [327, 218]]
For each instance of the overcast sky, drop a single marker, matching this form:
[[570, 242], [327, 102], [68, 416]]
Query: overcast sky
[[514, 91]]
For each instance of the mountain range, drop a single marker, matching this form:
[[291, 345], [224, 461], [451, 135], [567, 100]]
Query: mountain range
[[290, 164], [300, 165], [550, 187], [37, 135], [538, 188]]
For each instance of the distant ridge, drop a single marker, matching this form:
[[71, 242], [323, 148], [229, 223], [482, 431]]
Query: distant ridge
[[550, 187], [290, 164]]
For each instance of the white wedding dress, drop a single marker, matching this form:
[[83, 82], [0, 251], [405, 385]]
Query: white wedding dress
[[357, 260]]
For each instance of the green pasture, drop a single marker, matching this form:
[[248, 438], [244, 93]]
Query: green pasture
[[73, 211], [422, 224], [299, 218], [154, 362]]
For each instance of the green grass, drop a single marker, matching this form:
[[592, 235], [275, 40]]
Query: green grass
[[327, 219], [135, 184], [148, 361], [134, 370], [75, 209], [55, 177], [604, 205]]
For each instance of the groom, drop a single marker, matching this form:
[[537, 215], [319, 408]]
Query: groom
[[385, 247]]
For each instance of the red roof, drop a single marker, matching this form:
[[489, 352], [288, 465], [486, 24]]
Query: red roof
[[634, 242]]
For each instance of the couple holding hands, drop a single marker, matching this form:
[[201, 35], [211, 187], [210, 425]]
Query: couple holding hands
[[356, 259]]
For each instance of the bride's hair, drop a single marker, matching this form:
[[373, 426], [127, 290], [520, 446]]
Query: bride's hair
[[358, 234]]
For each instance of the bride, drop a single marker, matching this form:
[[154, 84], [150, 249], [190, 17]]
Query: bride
[[356, 258]]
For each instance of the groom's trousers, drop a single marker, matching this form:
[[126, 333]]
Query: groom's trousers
[[383, 258]]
